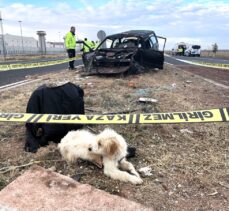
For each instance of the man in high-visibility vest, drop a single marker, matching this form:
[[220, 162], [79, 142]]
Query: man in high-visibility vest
[[87, 48], [70, 44], [180, 50]]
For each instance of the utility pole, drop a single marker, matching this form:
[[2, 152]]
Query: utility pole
[[21, 37], [3, 41]]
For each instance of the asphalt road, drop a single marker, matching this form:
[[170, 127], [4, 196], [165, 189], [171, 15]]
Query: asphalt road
[[214, 75], [12, 76], [175, 60]]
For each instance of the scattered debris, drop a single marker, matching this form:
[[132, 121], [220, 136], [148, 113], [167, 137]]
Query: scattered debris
[[132, 85], [4, 139], [188, 82], [145, 171], [142, 91], [174, 85], [52, 168], [77, 176], [186, 130], [11, 168], [146, 100], [158, 181], [179, 185], [213, 194], [224, 185]]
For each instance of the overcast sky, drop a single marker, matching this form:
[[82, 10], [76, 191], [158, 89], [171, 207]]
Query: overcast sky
[[199, 22]]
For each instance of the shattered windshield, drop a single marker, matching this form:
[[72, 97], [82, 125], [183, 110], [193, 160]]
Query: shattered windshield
[[120, 43], [125, 42], [107, 43]]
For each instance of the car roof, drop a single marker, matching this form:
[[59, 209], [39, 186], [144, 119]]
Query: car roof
[[132, 33]]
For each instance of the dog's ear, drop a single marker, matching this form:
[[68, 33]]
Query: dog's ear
[[113, 147]]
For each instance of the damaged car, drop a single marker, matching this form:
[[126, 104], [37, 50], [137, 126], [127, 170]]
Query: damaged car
[[127, 52]]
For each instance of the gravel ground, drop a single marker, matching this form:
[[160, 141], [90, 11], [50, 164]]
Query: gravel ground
[[190, 168]]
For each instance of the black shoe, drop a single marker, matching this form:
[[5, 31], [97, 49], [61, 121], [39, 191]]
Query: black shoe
[[72, 68]]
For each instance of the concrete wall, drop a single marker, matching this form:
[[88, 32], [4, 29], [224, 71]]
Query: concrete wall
[[13, 46]]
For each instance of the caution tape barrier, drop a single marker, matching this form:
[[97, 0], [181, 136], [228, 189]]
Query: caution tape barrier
[[5, 67], [208, 64], [202, 116]]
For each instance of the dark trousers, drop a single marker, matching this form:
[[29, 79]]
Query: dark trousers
[[71, 54]]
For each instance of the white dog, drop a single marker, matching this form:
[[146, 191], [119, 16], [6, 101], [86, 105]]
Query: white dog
[[108, 144], [80, 144], [113, 148]]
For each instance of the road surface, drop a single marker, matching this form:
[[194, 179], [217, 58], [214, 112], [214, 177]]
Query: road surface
[[217, 75], [12, 76]]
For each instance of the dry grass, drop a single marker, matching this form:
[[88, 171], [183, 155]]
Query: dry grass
[[219, 54], [186, 167], [30, 57]]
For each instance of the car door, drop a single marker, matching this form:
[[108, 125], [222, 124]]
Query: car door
[[152, 57]]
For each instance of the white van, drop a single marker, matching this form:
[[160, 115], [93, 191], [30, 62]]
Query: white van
[[193, 50]]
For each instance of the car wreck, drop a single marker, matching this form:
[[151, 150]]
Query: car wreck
[[127, 52]]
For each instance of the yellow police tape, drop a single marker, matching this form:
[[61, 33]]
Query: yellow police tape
[[208, 64], [5, 67], [202, 116]]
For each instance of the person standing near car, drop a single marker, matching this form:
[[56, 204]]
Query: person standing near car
[[70, 44], [87, 48]]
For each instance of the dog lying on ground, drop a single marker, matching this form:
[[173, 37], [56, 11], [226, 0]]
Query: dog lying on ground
[[108, 144], [79, 144], [113, 147]]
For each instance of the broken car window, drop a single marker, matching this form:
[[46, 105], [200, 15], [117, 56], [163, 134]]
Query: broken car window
[[106, 44]]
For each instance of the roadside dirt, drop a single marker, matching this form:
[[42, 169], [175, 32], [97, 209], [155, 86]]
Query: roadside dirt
[[190, 170], [217, 75]]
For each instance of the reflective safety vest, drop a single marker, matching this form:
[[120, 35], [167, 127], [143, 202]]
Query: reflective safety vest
[[70, 41], [85, 48]]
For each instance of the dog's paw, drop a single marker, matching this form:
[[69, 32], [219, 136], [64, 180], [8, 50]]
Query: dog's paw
[[133, 172], [136, 180]]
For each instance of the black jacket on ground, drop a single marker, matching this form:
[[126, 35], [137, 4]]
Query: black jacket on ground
[[64, 99]]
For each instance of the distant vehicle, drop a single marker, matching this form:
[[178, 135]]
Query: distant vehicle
[[126, 52], [181, 45], [193, 50]]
